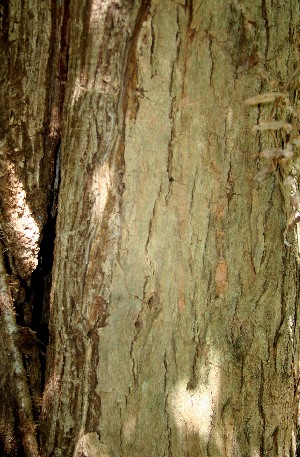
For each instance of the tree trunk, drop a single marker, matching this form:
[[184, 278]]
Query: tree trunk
[[174, 300]]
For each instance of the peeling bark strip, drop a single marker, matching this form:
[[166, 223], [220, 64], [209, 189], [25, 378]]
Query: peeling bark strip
[[18, 374]]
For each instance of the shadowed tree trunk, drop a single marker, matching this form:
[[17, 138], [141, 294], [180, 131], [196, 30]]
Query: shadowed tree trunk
[[173, 313]]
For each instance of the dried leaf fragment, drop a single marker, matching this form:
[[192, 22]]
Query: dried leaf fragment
[[267, 97], [292, 220], [295, 200], [277, 153], [273, 125]]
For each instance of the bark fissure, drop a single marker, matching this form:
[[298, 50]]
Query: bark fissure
[[173, 108], [261, 409], [152, 220], [134, 368], [266, 20], [166, 406]]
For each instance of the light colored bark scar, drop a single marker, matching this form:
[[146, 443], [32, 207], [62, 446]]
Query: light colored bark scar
[[221, 277]]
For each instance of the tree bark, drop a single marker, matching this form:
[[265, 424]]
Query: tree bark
[[17, 371], [174, 300], [33, 73]]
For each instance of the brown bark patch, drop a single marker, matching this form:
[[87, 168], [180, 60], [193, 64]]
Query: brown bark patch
[[221, 277]]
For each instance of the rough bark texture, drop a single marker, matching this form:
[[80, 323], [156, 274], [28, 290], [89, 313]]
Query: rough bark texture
[[24, 51], [33, 72], [174, 302], [16, 369]]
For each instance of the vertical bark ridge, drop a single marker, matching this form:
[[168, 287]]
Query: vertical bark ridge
[[96, 100]]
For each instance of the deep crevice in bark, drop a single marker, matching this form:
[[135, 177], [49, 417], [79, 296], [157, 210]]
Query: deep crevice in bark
[[42, 277]]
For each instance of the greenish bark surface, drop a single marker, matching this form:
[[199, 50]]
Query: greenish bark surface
[[174, 301]]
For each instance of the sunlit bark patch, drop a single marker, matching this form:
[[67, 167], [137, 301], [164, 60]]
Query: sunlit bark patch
[[21, 231], [194, 409]]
